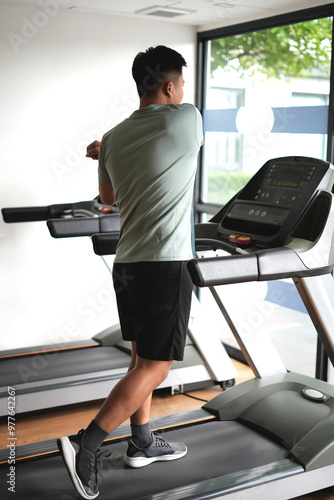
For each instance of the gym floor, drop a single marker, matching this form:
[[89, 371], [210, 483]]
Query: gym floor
[[50, 424]]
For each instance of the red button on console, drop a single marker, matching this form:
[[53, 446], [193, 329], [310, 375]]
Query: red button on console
[[104, 210], [240, 239]]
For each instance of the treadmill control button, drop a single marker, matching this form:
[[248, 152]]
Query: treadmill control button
[[313, 394], [105, 210], [240, 239]]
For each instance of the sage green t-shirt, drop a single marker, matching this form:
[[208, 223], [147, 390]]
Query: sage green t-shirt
[[150, 159]]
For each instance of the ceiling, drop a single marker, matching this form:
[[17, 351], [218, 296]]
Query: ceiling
[[204, 13]]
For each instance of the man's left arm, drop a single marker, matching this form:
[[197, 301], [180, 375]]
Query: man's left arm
[[107, 193]]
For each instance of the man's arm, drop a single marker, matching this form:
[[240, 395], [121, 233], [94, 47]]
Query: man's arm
[[93, 150], [107, 193]]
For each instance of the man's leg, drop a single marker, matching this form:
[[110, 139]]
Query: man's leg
[[146, 447], [131, 397], [131, 393], [140, 420], [80, 452], [142, 415]]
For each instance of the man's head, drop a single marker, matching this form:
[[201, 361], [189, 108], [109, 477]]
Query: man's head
[[154, 69]]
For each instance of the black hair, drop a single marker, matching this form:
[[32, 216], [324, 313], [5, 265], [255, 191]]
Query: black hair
[[156, 66]]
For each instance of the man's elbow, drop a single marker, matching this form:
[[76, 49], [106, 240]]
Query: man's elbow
[[107, 194], [110, 200]]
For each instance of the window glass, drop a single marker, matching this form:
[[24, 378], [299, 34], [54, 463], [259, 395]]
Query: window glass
[[266, 96]]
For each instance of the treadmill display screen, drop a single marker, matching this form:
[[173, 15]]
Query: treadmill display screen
[[272, 202], [283, 185], [290, 176]]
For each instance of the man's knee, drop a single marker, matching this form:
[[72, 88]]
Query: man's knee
[[158, 369], [165, 369]]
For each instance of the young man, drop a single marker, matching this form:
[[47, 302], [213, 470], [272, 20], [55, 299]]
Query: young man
[[147, 166]]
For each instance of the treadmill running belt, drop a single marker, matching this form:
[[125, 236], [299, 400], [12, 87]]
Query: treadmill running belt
[[42, 367], [215, 448]]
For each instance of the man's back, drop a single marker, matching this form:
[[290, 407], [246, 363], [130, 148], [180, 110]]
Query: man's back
[[151, 161]]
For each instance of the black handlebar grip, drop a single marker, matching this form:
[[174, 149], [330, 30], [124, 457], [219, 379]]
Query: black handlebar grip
[[31, 214], [25, 214], [105, 243]]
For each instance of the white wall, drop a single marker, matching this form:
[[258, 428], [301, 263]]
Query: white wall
[[65, 80]]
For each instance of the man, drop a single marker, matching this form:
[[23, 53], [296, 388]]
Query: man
[[147, 166]]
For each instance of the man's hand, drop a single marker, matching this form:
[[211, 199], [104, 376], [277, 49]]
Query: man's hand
[[93, 150]]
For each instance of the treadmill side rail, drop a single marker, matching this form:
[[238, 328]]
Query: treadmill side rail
[[317, 294]]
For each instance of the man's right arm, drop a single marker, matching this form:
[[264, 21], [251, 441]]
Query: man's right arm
[[106, 189], [93, 150]]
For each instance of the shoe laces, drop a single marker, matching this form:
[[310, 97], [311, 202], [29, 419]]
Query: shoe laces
[[160, 442], [157, 442], [95, 464]]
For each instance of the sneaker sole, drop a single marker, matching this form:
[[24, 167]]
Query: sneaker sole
[[137, 462], [68, 453]]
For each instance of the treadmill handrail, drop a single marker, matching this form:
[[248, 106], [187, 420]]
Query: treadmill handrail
[[262, 265], [215, 271], [207, 244], [105, 243], [83, 226], [32, 214], [40, 213]]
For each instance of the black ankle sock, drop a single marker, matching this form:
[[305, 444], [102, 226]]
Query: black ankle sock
[[94, 437], [141, 435]]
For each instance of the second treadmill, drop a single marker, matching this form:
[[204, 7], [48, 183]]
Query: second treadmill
[[50, 376]]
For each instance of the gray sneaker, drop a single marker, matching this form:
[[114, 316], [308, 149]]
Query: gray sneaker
[[82, 465], [158, 451]]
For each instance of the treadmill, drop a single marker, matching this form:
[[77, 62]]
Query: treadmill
[[76, 372], [272, 436]]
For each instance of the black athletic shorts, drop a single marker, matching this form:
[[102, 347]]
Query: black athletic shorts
[[153, 300]]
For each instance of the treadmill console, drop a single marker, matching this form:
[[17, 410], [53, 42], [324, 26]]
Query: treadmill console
[[270, 205]]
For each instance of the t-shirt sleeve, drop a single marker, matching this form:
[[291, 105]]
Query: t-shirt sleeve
[[103, 175], [194, 117], [199, 127]]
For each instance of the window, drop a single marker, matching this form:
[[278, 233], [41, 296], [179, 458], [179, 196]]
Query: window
[[265, 91], [266, 95]]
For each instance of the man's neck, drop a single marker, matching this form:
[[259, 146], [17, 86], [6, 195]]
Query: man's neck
[[157, 99]]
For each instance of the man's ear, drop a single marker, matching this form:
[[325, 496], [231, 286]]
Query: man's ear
[[168, 88]]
